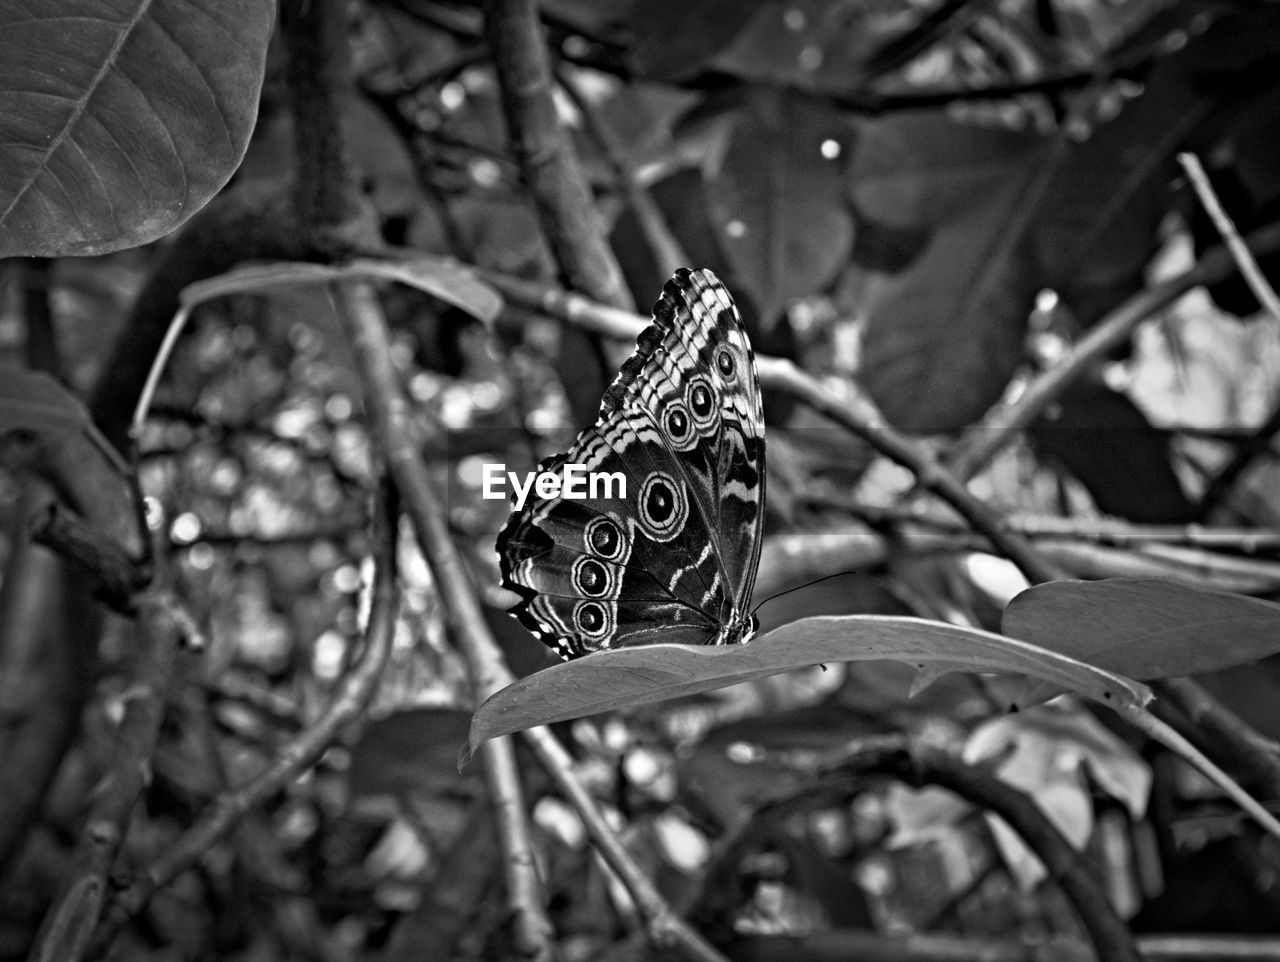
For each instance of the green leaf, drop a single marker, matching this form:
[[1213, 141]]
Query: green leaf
[[34, 401], [120, 120], [1145, 628], [636, 676]]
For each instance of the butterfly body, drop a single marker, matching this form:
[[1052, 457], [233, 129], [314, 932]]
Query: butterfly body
[[675, 559]]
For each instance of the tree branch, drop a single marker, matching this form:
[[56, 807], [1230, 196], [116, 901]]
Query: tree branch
[[551, 168], [69, 924], [917, 764], [390, 424], [985, 440]]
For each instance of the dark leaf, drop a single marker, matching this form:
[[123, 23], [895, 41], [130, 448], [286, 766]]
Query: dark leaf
[[1145, 628], [778, 198], [674, 39], [121, 119], [34, 401], [945, 333], [808, 45], [1105, 440]]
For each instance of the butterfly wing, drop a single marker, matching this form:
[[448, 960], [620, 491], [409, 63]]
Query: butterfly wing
[[675, 559]]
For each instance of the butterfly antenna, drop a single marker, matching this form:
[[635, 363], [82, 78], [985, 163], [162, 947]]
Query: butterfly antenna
[[807, 584]]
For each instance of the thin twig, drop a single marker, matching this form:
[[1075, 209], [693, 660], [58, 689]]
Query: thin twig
[[1245, 748], [1103, 528], [1247, 451], [158, 364], [863, 420], [1166, 735], [1240, 253], [918, 764], [664, 927], [838, 945], [999, 427], [557, 185], [792, 560], [665, 247]]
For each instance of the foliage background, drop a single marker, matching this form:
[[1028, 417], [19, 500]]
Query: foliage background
[[925, 206]]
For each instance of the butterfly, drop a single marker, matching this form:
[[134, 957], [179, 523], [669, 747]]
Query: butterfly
[[675, 559]]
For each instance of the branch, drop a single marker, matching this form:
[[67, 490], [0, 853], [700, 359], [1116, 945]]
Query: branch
[[394, 435], [918, 765], [118, 576], [1233, 741], [998, 428], [665, 247], [573, 228], [49, 624], [68, 926], [328, 202], [860, 417], [572, 225], [1248, 450], [1244, 259]]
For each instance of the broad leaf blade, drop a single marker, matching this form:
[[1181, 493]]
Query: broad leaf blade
[[436, 276], [675, 39], [1145, 628], [119, 120], [945, 332], [778, 199], [636, 676], [441, 278]]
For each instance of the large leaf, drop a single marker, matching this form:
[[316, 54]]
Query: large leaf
[[1145, 628], [1124, 461], [945, 333], [636, 676], [674, 39], [119, 119], [1097, 224], [810, 45], [778, 198], [436, 276]]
